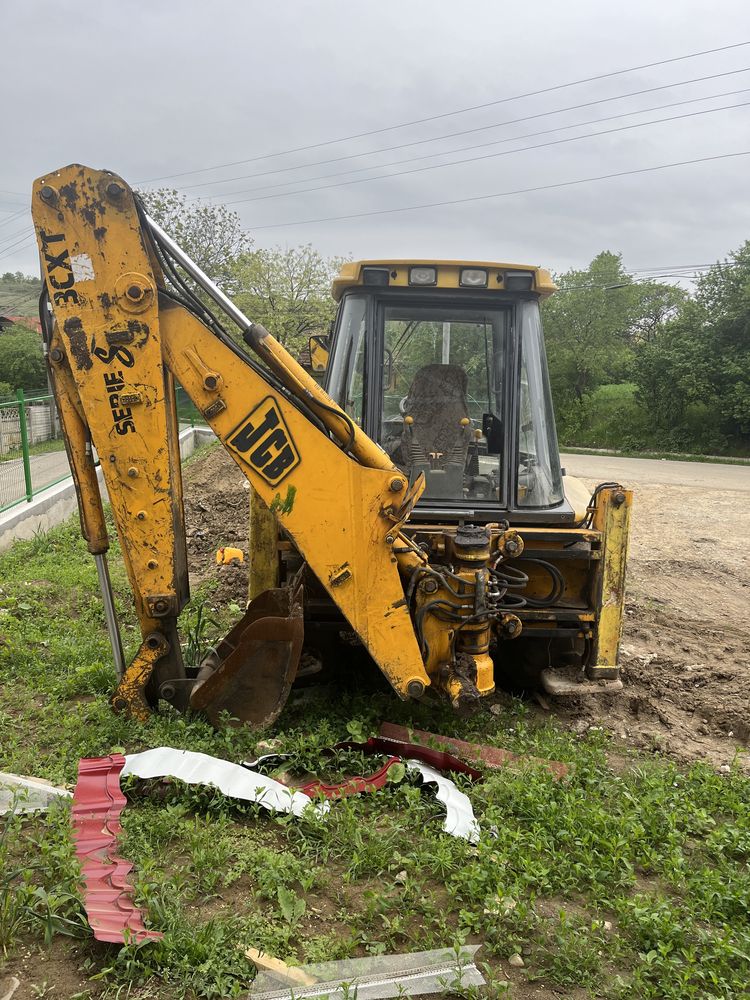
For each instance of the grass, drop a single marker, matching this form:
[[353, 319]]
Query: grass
[[41, 448], [615, 884], [19, 298], [612, 419]]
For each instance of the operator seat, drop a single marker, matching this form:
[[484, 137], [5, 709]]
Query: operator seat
[[437, 429]]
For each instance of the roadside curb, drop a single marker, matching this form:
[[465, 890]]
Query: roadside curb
[[657, 456]]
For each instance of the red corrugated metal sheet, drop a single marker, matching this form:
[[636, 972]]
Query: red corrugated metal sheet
[[492, 757], [108, 896]]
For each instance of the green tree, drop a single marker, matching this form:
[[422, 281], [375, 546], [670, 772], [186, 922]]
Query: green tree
[[599, 327], [21, 358], [588, 328], [671, 374], [287, 291], [211, 234], [722, 301], [654, 305], [703, 356], [19, 278]]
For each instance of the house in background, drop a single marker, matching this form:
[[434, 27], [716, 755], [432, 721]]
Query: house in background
[[31, 322]]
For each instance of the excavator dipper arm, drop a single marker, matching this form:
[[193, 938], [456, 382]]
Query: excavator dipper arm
[[121, 337]]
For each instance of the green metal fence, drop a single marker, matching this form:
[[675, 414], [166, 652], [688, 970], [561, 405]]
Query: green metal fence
[[187, 412], [32, 450]]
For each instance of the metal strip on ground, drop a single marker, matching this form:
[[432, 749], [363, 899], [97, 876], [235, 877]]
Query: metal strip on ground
[[460, 820], [98, 802], [231, 779], [372, 978], [459, 814], [492, 757]]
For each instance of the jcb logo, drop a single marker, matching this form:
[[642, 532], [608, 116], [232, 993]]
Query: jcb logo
[[265, 442]]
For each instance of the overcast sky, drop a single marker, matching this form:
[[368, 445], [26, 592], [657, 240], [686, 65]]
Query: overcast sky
[[164, 87]]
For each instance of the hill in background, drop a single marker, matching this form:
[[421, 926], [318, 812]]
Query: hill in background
[[19, 295]]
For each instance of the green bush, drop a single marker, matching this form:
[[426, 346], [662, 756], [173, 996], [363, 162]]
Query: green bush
[[612, 417], [21, 358]]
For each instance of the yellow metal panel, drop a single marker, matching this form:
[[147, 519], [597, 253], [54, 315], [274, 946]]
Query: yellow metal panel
[[577, 495], [612, 519], [83, 470], [448, 275], [103, 292], [263, 564]]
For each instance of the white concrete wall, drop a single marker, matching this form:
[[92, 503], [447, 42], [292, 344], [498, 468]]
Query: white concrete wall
[[38, 426]]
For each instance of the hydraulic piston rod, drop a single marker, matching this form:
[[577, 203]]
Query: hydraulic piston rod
[[105, 585]]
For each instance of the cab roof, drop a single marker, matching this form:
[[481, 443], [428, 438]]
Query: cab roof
[[448, 275]]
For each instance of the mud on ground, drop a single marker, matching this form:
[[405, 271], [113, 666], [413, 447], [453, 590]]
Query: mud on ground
[[686, 643], [217, 512]]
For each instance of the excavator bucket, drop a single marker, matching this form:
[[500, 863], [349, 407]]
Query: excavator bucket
[[251, 671]]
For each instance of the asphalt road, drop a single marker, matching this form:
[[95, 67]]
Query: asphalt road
[[644, 471], [45, 470]]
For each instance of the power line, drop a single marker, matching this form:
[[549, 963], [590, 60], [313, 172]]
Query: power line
[[687, 267], [24, 238], [666, 267], [21, 245], [505, 194], [450, 114], [627, 278], [468, 131], [8, 239], [490, 156], [11, 308], [495, 142], [16, 215]]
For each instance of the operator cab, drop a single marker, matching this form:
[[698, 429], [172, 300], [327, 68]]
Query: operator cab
[[443, 364]]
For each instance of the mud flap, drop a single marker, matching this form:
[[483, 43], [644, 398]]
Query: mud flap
[[251, 671]]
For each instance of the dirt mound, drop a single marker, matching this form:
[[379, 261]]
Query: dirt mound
[[217, 514]]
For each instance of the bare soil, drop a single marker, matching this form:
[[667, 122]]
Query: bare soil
[[686, 642], [48, 972], [217, 513]]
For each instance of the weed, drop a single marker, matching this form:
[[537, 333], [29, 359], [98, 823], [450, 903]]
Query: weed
[[201, 631], [11, 901], [292, 906]]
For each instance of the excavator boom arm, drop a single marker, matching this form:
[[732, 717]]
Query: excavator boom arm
[[121, 338]]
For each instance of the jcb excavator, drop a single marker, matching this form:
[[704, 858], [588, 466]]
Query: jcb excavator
[[415, 505]]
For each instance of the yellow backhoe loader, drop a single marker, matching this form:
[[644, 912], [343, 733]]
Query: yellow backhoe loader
[[415, 505]]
